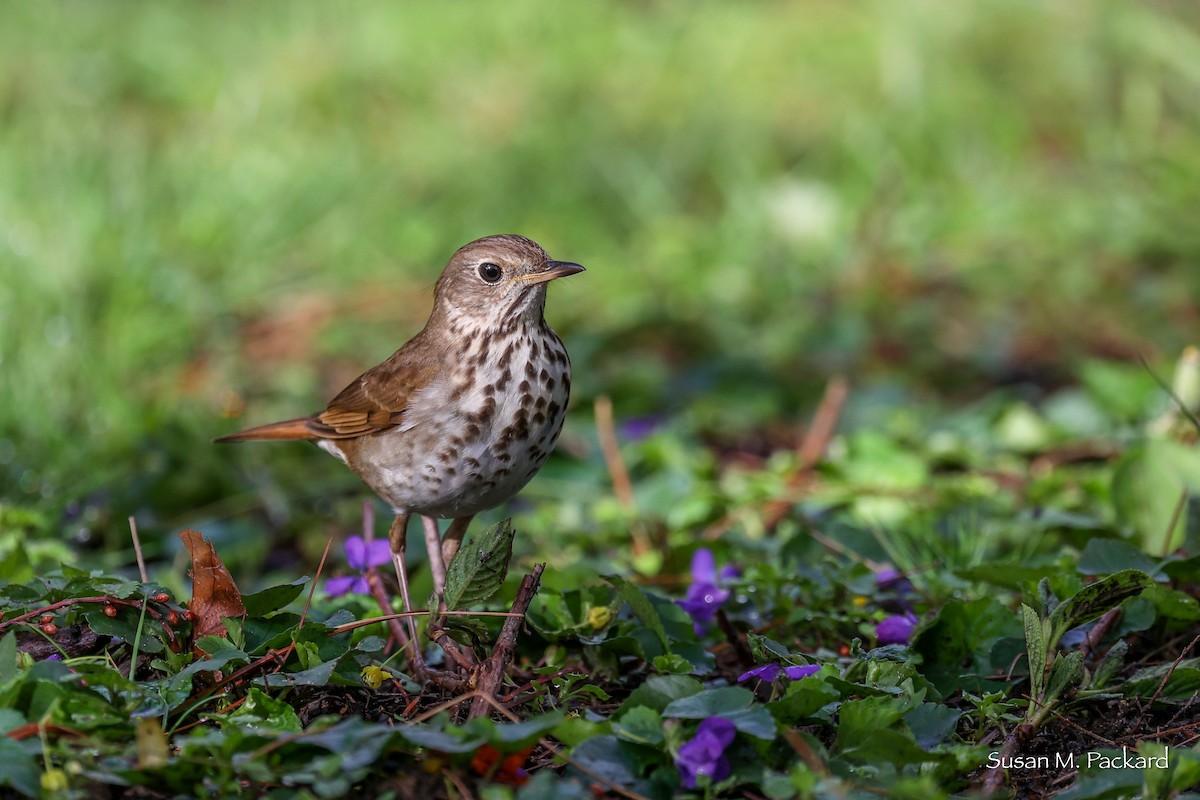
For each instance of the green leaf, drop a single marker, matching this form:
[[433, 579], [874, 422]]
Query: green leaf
[[1065, 674], [957, 646], [470, 631], [1036, 645], [18, 768], [1094, 600], [1124, 391], [512, 736], [763, 649], [15, 565], [1149, 486], [125, 625], [273, 598], [1108, 667], [802, 700], [672, 665], [932, 723], [261, 709], [1182, 681], [640, 605], [479, 569], [10, 718], [640, 725], [858, 719], [1172, 603], [1102, 783], [448, 739], [660, 691], [611, 759], [8, 658], [884, 745], [1106, 556], [546, 785], [1012, 576], [314, 676], [734, 703]]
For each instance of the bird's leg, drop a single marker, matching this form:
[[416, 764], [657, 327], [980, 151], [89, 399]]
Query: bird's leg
[[396, 540], [454, 537], [437, 567]]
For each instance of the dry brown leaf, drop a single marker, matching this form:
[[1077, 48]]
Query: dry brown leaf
[[214, 594]]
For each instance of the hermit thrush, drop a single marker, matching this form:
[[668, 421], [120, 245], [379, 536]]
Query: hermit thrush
[[461, 417]]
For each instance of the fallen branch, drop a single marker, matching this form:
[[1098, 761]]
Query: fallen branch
[[491, 671]]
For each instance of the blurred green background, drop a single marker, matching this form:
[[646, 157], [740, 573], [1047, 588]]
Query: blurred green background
[[214, 215]]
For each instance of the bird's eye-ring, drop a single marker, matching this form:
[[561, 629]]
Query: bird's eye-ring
[[490, 272]]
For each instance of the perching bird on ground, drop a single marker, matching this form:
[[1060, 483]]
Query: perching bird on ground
[[462, 416]]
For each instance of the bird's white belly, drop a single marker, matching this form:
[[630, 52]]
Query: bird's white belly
[[468, 446]]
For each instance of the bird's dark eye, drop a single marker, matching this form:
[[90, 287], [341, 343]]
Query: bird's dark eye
[[490, 272]]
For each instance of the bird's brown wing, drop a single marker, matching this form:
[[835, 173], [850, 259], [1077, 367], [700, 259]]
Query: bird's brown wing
[[373, 402]]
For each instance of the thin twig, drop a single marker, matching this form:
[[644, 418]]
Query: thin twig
[[98, 599], [1068, 721], [1163, 683], [1179, 507], [375, 584], [137, 549], [802, 748], [618, 472], [606, 430], [491, 671], [808, 453], [416, 612], [460, 786], [814, 444], [313, 589], [1170, 390], [824, 423], [993, 779], [837, 547]]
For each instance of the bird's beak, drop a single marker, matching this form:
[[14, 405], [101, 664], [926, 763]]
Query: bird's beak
[[554, 269]]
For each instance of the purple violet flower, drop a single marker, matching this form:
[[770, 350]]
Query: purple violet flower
[[704, 754], [704, 597], [896, 629], [770, 672], [889, 578], [359, 555], [636, 428]]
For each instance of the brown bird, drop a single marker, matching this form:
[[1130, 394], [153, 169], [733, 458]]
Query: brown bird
[[461, 417]]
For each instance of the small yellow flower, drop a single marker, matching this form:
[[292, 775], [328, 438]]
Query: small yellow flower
[[599, 617], [372, 676], [54, 781], [860, 601]]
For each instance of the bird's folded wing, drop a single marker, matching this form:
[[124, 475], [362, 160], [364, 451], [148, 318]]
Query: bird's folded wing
[[374, 402]]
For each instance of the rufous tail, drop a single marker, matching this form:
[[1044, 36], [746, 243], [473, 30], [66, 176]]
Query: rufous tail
[[288, 429]]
